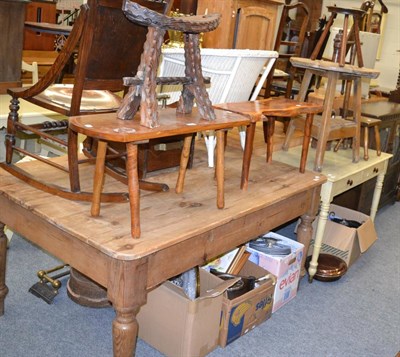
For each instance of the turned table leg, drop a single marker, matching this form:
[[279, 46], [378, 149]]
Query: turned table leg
[[3, 256], [127, 292], [305, 230], [377, 195], [323, 217]]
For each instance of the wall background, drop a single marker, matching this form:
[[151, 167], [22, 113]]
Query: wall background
[[389, 62]]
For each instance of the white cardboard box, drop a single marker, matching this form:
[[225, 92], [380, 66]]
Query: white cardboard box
[[285, 268]]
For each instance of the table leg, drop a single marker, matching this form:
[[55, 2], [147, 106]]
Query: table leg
[[187, 142], [133, 187], [248, 151], [377, 195], [3, 257], [220, 168], [304, 230], [127, 292], [323, 217], [98, 179], [270, 133]]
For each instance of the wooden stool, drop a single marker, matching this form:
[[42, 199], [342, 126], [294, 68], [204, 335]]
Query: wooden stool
[[353, 35], [366, 124], [142, 90], [107, 127], [334, 72], [267, 110]]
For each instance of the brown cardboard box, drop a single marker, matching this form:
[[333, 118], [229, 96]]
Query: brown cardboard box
[[247, 311], [344, 242], [178, 326]]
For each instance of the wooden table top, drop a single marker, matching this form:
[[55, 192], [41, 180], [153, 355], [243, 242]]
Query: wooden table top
[[108, 127], [329, 66], [275, 106], [166, 217]]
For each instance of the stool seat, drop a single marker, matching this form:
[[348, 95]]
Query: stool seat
[[107, 127], [267, 110], [147, 17], [142, 92]]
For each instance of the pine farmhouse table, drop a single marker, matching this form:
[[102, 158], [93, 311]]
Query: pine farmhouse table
[[179, 231]]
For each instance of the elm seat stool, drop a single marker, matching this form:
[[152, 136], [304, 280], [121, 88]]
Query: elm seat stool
[[366, 125], [267, 110], [108, 128], [142, 91]]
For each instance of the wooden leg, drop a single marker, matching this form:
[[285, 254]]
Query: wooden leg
[[323, 217], [366, 157], [270, 134], [377, 195], [306, 141], [10, 137], [326, 115], [127, 292], [73, 168], [304, 230], [220, 168], [133, 187], [377, 140], [3, 257], [248, 151], [98, 179], [187, 142], [357, 119]]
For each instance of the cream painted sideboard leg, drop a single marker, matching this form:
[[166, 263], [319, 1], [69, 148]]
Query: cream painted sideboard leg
[[377, 195], [323, 217], [3, 256]]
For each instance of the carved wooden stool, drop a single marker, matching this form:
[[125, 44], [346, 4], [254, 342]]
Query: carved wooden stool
[[143, 86], [267, 110]]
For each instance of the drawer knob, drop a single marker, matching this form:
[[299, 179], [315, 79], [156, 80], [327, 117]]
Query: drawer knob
[[350, 182], [376, 170]]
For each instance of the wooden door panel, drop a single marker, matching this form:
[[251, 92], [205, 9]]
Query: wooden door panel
[[255, 28]]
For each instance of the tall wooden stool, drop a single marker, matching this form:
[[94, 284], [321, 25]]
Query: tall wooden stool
[[353, 35], [143, 86], [334, 72], [267, 110]]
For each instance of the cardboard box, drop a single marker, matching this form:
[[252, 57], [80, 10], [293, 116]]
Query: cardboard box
[[286, 269], [345, 242], [178, 326], [240, 315]]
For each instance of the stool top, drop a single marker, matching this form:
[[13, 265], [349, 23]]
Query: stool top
[[275, 106], [328, 66], [107, 126], [346, 11], [189, 24]]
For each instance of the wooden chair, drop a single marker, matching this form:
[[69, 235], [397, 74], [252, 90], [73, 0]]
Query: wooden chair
[[109, 48], [287, 44]]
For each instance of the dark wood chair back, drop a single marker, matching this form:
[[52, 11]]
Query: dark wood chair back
[[288, 45]]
